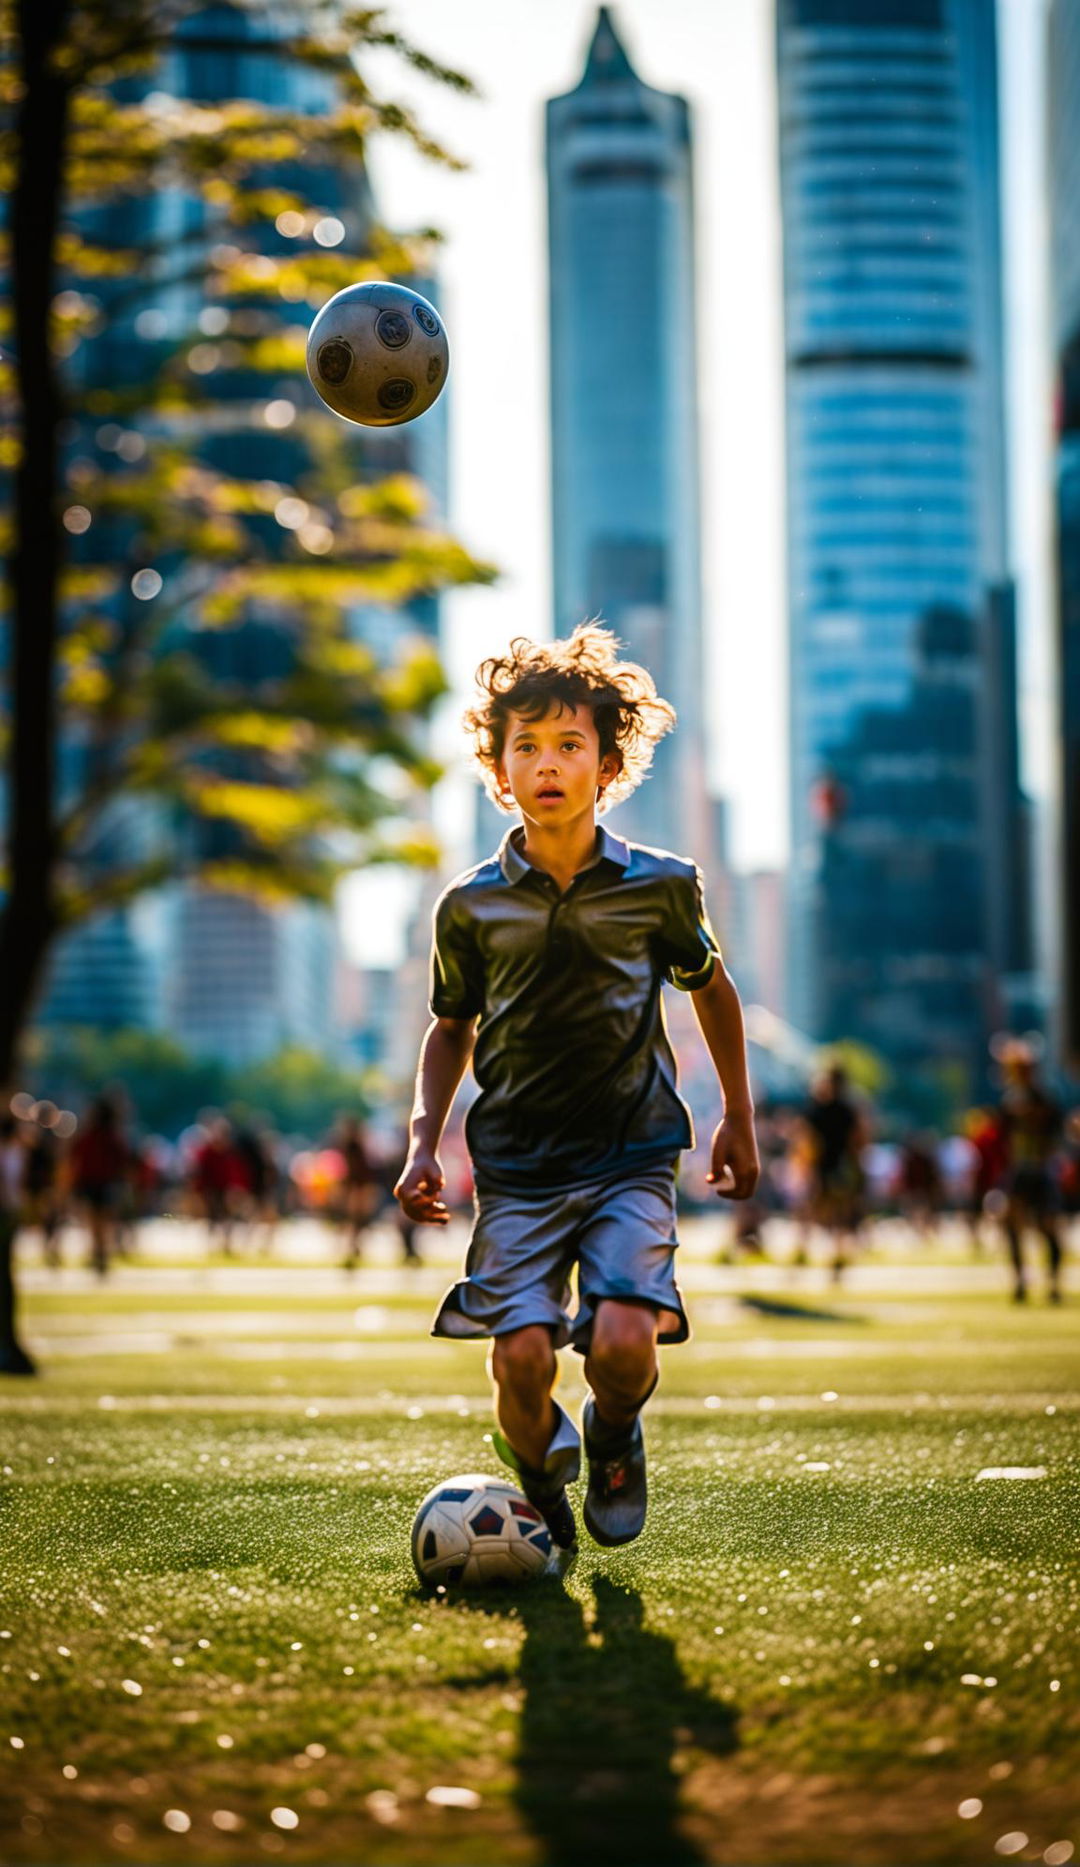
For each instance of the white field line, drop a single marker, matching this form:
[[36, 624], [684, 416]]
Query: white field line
[[369, 1319], [154, 1342], [109, 1341], [254, 1280], [407, 1321], [417, 1406], [1010, 1471]]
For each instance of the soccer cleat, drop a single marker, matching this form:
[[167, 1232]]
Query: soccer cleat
[[547, 1489], [555, 1510], [549, 1499], [617, 1497]]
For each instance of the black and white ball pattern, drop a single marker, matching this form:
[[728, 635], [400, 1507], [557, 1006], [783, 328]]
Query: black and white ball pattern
[[475, 1532]]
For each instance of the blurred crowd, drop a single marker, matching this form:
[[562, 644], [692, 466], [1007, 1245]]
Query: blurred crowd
[[1010, 1172], [240, 1179]]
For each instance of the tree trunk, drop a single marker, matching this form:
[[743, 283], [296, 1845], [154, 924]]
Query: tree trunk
[[29, 917]]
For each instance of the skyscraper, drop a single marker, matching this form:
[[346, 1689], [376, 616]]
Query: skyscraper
[[899, 604], [624, 463], [1064, 168]]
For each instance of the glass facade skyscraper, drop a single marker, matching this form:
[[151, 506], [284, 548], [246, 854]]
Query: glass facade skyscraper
[[625, 491], [902, 662], [1063, 65]]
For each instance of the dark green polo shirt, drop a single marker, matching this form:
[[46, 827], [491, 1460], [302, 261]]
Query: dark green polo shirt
[[575, 1073]]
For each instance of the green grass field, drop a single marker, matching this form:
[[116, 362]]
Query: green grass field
[[835, 1642]]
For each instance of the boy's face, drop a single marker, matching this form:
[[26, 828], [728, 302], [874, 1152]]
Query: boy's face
[[552, 766]]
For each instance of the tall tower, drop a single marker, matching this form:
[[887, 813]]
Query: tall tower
[[625, 492], [902, 666], [1064, 167]]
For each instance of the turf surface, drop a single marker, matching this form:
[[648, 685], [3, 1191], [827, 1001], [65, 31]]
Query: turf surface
[[834, 1643]]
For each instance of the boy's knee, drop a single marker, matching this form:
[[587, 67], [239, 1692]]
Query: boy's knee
[[524, 1359], [623, 1341]]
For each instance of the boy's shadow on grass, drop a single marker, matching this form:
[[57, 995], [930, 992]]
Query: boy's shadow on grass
[[605, 1708]]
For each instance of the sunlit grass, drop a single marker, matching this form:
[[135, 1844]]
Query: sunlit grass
[[832, 1634]]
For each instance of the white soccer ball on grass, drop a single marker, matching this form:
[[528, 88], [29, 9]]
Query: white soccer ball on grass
[[478, 1532]]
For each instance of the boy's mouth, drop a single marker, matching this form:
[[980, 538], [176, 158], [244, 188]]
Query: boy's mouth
[[550, 794]]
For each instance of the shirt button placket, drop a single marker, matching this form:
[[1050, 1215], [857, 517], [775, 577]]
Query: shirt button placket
[[554, 941]]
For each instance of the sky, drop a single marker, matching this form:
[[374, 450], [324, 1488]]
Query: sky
[[493, 290]]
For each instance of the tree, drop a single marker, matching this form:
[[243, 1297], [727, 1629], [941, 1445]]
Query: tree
[[298, 1091], [303, 1094], [130, 556], [167, 1087]]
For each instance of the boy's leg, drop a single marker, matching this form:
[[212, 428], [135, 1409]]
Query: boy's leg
[[621, 1369], [621, 1366], [523, 1368], [535, 1437]]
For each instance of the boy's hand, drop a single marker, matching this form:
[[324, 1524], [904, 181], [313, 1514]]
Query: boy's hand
[[417, 1191], [735, 1164]]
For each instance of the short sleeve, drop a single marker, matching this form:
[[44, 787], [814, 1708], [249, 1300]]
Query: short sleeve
[[457, 975], [690, 948]]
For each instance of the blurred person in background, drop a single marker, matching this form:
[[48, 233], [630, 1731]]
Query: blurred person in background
[[126, 1213], [1032, 1124], [12, 1165], [153, 1156], [12, 1173], [798, 1183], [984, 1130], [1070, 1167], [42, 1202], [100, 1170], [407, 1230], [358, 1196], [836, 1131], [389, 1169], [218, 1180], [750, 1216], [920, 1189], [261, 1185], [957, 1161]]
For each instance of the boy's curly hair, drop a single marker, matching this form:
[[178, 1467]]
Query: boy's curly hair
[[583, 670]]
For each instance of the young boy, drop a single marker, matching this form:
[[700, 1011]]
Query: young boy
[[547, 966]]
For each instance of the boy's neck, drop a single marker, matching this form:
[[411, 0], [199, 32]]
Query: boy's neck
[[560, 850]]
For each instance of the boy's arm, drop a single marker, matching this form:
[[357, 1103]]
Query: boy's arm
[[444, 1057], [735, 1166]]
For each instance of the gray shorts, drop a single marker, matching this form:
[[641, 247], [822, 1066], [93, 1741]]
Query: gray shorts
[[620, 1233]]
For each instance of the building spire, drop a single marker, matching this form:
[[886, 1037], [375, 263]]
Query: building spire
[[607, 59]]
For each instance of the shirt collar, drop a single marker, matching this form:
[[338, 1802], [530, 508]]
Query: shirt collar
[[514, 865]]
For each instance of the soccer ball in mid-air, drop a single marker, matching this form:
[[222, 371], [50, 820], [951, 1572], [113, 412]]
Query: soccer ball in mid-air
[[377, 354], [472, 1532]]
